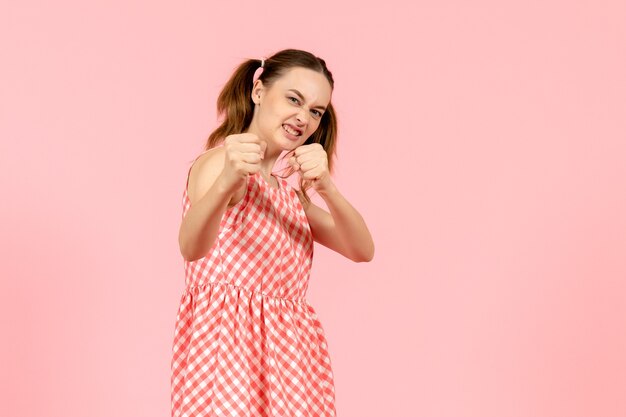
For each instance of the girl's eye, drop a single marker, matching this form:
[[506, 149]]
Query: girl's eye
[[295, 100]]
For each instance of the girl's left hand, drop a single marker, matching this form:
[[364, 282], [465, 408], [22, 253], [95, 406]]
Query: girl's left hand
[[311, 162]]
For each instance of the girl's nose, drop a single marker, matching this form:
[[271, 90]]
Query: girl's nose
[[303, 116]]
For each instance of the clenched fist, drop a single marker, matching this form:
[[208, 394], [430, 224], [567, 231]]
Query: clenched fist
[[242, 157], [311, 162]]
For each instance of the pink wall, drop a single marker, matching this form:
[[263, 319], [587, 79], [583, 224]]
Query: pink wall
[[483, 143]]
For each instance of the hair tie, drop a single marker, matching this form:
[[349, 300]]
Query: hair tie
[[262, 63]]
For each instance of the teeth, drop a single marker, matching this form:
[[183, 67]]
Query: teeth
[[290, 130]]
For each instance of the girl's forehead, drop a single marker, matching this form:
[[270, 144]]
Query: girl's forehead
[[311, 84]]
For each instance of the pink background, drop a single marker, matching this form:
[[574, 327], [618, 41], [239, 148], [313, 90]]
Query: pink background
[[483, 143]]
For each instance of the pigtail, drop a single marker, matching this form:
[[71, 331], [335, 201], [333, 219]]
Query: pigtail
[[234, 104]]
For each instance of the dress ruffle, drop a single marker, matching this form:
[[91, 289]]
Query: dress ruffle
[[249, 354]]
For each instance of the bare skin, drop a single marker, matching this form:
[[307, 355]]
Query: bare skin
[[217, 179]]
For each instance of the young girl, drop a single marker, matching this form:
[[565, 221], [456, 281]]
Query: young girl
[[247, 343]]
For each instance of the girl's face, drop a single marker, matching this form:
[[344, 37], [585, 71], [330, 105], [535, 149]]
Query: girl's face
[[291, 110]]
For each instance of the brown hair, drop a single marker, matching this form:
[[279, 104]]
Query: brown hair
[[236, 107]]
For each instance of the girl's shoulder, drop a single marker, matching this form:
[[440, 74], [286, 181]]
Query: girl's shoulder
[[204, 171]]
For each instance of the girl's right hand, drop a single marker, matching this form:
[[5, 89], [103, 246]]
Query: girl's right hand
[[242, 157]]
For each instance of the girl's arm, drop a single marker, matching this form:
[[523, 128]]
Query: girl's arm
[[211, 192], [209, 200], [343, 229]]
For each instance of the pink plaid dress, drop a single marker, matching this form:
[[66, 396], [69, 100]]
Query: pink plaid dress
[[246, 341]]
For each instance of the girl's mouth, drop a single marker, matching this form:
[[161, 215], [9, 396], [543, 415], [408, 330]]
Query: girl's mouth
[[291, 133]]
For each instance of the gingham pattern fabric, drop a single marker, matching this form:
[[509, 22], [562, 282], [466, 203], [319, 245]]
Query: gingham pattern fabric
[[246, 341]]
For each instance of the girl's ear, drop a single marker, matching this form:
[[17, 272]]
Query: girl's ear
[[257, 91]]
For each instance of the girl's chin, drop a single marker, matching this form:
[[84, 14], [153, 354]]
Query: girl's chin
[[286, 143], [282, 144]]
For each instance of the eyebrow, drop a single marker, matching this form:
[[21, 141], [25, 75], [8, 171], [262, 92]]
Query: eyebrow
[[302, 98]]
